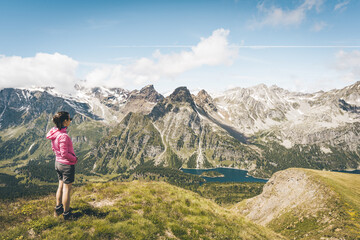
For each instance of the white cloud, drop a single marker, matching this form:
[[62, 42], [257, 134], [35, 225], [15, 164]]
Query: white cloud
[[44, 69], [341, 6], [348, 64], [60, 71], [317, 27], [276, 16], [211, 51]]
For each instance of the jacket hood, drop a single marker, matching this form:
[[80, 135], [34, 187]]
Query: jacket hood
[[54, 132]]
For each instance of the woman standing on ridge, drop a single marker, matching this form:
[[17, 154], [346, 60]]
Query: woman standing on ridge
[[64, 163]]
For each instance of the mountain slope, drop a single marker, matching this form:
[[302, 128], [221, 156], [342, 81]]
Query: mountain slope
[[320, 130], [261, 129], [128, 210], [196, 139], [308, 204], [115, 103], [132, 142], [174, 135], [21, 106], [261, 108]]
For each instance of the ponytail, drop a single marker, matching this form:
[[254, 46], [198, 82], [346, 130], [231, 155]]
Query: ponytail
[[59, 119]]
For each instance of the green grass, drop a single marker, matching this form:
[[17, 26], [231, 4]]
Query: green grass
[[347, 188], [227, 194], [224, 194], [347, 185], [298, 227], [13, 132], [128, 210]]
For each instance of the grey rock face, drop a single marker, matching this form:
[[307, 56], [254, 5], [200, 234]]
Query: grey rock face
[[113, 104], [205, 101], [146, 93], [181, 94], [18, 106]]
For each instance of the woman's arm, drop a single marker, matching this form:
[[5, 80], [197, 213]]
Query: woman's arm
[[64, 151]]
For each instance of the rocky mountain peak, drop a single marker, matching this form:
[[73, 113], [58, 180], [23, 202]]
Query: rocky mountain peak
[[355, 86], [278, 89], [204, 100], [181, 94], [260, 86], [350, 94], [203, 95], [353, 89], [110, 97], [148, 88], [78, 87], [96, 91], [148, 93], [103, 93]]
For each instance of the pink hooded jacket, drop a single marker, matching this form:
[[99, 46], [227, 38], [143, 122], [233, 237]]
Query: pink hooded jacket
[[62, 146]]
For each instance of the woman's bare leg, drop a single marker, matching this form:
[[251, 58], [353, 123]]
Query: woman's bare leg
[[59, 193], [66, 196]]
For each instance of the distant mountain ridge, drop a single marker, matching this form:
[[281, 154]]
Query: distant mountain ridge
[[261, 129]]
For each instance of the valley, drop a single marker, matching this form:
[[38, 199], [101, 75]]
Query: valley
[[141, 138]]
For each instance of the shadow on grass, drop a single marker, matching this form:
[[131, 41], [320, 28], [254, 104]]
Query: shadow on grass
[[77, 213], [25, 191], [82, 208]]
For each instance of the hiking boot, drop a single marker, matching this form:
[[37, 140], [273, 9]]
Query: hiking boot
[[68, 215], [58, 210]]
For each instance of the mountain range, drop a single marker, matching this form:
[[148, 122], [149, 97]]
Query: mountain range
[[260, 129]]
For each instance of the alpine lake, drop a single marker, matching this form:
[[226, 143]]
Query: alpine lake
[[223, 175]]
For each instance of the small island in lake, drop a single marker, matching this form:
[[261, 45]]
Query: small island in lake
[[212, 174]]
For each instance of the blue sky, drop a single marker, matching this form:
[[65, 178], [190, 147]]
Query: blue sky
[[300, 45]]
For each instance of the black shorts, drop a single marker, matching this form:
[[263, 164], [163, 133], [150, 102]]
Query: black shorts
[[66, 173]]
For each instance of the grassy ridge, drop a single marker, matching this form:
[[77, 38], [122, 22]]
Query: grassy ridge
[[227, 194], [347, 185], [128, 210], [339, 214]]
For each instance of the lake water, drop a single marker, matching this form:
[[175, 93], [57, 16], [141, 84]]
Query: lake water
[[230, 175], [352, 172]]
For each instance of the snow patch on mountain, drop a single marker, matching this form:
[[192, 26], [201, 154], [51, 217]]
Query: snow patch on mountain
[[293, 114], [287, 143]]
